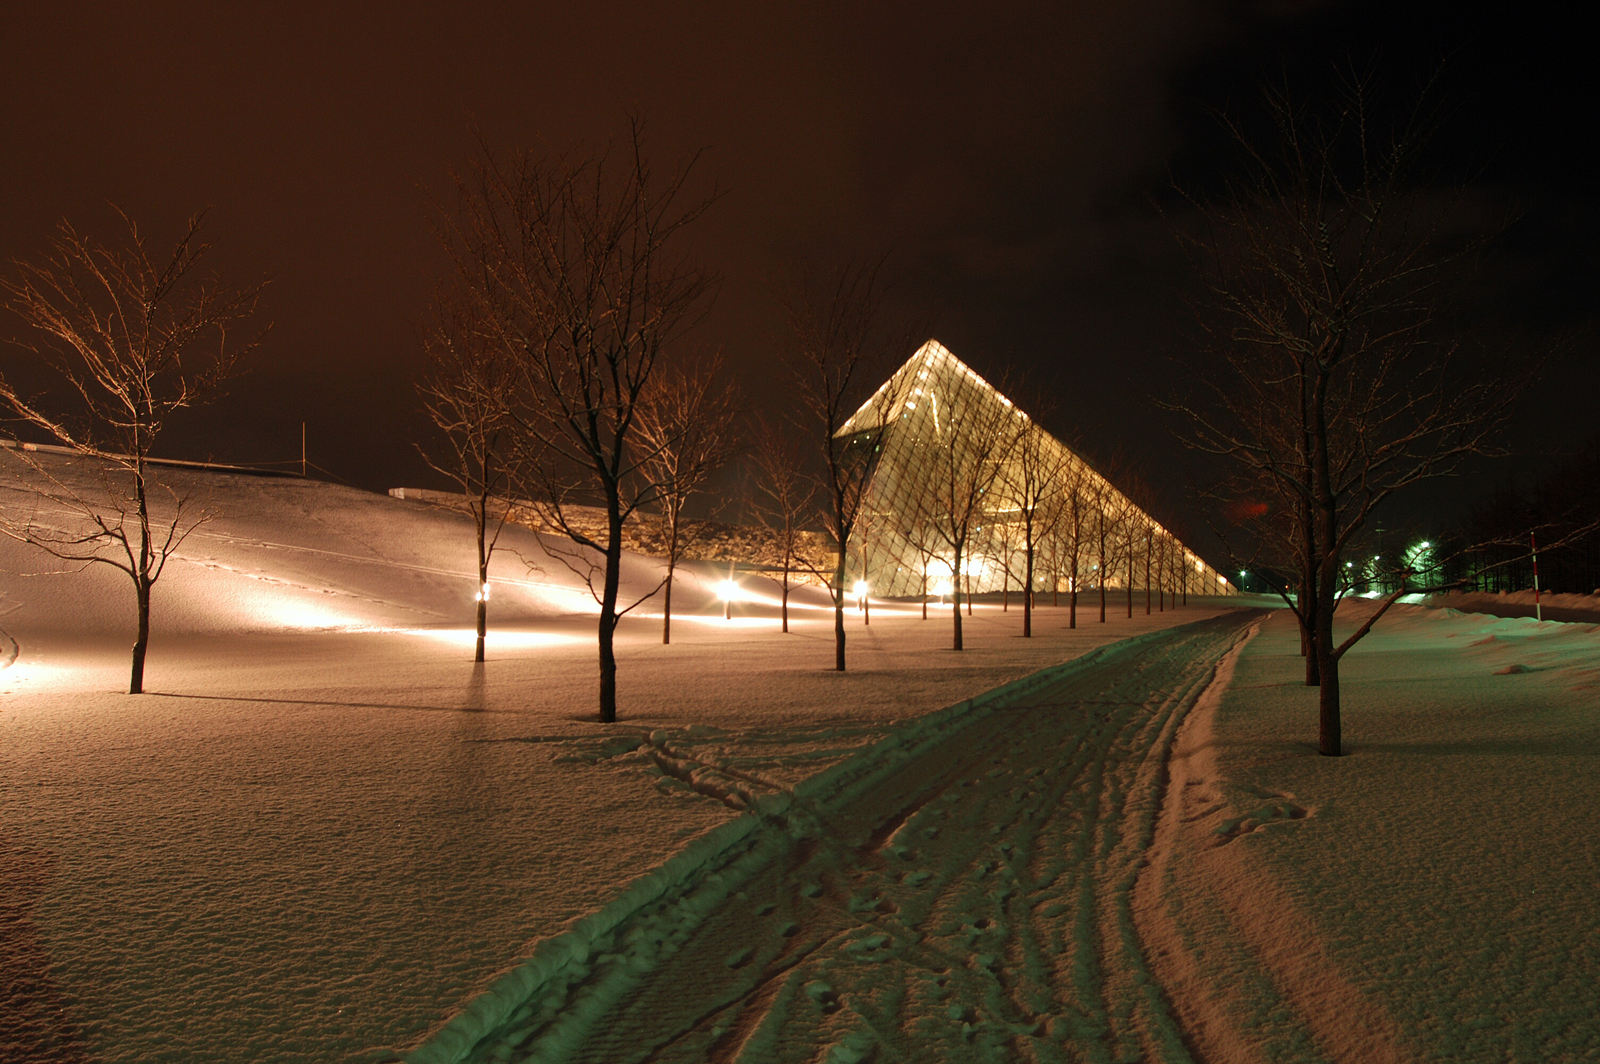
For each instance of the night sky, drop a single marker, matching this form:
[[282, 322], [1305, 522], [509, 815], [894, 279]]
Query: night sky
[[1006, 158]]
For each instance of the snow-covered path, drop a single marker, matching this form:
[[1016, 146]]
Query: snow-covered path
[[968, 902]]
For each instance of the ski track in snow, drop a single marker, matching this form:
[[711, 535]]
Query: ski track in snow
[[972, 904]]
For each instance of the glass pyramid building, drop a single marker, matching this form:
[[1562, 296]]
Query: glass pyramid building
[[962, 480]]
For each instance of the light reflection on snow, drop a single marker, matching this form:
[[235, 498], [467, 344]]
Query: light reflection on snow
[[500, 640], [564, 599], [717, 621], [31, 672], [289, 613]]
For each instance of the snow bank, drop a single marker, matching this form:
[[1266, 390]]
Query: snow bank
[[1519, 604]]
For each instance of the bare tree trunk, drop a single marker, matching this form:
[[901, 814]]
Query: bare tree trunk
[[483, 577], [141, 642], [608, 609], [1309, 605], [1147, 547], [141, 579], [1327, 527], [955, 601], [785, 594], [1027, 594], [1101, 570], [1072, 606], [1329, 737], [924, 592], [666, 605], [969, 595], [1161, 597], [838, 613], [1130, 581]]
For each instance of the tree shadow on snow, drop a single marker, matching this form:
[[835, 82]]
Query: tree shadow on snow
[[469, 708], [34, 1023], [1485, 747]]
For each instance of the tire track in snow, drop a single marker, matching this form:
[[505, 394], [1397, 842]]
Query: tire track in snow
[[971, 904]]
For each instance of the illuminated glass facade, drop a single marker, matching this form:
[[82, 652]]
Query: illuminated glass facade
[[947, 444]]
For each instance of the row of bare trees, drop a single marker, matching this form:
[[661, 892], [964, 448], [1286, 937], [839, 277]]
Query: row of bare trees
[[1019, 505], [553, 370], [556, 378]]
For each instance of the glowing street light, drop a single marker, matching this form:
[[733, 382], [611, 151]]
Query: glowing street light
[[483, 593], [729, 590]]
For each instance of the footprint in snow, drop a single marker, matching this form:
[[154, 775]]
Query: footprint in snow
[[1278, 812]]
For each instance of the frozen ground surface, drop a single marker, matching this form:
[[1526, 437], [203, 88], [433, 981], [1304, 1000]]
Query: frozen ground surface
[[324, 830], [967, 901], [1432, 895]]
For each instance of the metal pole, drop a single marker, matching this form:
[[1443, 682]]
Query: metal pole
[[1533, 541]]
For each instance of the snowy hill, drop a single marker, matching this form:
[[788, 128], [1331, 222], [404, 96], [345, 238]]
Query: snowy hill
[[290, 554]]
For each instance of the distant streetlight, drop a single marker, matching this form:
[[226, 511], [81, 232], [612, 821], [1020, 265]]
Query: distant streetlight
[[483, 593], [728, 589], [861, 590]]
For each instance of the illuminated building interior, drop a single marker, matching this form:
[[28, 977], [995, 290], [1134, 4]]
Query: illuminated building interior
[[940, 437]]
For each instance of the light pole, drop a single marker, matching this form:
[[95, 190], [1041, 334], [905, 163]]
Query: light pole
[[1533, 542]]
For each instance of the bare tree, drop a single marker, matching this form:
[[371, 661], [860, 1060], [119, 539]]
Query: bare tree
[[839, 347], [1134, 537], [129, 340], [783, 497], [1036, 477], [914, 523], [1141, 533], [1002, 548], [975, 436], [1329, 388], [1070, 529], [467, 390], [572, 262], [1115, 518], [686, 431]]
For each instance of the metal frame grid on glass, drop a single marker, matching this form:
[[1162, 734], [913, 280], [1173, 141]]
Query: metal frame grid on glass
[[942, 420]]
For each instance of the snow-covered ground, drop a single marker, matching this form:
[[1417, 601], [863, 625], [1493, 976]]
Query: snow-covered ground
[[1430, 896], [324, 829], [1520, 604], [960, 893]]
